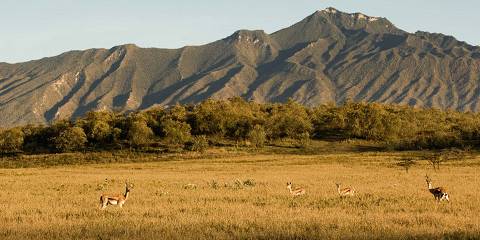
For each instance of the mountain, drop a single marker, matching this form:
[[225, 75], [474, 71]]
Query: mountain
[[330, 56]]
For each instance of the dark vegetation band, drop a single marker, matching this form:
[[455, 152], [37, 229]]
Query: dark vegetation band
[[192, 127]]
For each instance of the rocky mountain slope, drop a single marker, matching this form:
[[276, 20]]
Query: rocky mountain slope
[[330, 56]]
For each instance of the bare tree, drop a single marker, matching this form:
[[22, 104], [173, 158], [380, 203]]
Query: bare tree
[[406, 163], [447, 155]]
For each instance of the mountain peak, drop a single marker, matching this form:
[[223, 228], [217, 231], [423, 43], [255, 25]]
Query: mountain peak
[[358, 15], [331, 23], [329, 10], [352, 21]]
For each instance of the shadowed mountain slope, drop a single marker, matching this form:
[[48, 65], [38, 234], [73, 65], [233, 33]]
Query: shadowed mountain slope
[[330, 56]]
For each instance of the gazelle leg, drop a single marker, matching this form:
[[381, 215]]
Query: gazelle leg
[[104, 204]]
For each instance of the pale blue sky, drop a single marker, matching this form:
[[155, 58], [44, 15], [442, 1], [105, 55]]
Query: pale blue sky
[[33, 29]]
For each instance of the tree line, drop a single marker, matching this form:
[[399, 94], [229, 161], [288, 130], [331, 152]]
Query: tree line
[[195, 127]]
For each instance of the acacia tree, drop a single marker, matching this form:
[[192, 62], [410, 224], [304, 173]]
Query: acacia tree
[[406, 163]]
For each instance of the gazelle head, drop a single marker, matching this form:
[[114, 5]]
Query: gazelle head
[[337, 184], [289, 185], [128, 186]]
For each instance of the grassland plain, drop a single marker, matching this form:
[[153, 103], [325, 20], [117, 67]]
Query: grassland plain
[[242, 196]]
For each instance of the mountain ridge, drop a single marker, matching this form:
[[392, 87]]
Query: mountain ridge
[[330, 56]]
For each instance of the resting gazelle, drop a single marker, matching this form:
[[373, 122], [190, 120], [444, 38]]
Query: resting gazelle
[[295, 192], [345, 191], [439, 193], [115, 199]]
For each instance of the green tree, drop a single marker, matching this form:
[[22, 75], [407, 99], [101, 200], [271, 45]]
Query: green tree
[[209, 118], [290, 120], [70, 139], [257, 136], [11, 140], [139, 134], [98, 127], [36, 138], [153, 117], [178, 113], [232, 118], [198, 144], [176, 132]]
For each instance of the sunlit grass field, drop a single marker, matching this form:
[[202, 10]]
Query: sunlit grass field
[[243, 197]]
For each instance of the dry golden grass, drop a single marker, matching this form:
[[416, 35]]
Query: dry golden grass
[[62, 202]]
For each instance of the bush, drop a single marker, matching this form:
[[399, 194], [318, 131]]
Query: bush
[[198, 144], [209, 118], [175, 132], [70, 139], [257, 136], [289, 120], [11, 141], [139, 134], [98, 127], [304, 141], [233, 118], [36, 138]]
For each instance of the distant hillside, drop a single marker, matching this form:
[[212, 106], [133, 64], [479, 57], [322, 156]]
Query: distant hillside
[[330, 56]]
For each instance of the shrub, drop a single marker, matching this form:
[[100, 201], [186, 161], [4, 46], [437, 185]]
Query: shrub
[[11, 140], [241, 184], [257, 136], [289, 120], [233, 118], [249, 183], [177, 113], [209, 118], [139, 134], [304, 141], [214, 184], [198, 144], [72, 138], [175, 132], [153, 118], [100, 131], [98, 127], [36, 138]]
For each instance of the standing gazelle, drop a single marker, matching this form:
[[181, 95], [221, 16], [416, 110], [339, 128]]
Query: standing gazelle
[[295, 192], [439, 193], [345, 191], [115, 199]]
